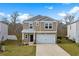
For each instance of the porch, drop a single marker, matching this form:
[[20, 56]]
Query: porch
[[28, 38]]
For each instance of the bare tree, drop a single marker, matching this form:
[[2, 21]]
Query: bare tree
[[14, 19], [69, 18]]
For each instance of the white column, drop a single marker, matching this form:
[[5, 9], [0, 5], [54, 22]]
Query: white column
[[22, 36], [34, 37]]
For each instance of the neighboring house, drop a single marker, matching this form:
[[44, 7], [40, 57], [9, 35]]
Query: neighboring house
[[11, 37], [39, 29], [73, 31], [3, 31]]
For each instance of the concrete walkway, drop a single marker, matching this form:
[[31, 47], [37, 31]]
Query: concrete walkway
[[50, 50]]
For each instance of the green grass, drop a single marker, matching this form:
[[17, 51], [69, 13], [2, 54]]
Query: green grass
[[14, 49], [70, 47]]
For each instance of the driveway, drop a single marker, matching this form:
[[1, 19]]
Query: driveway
[[50, 50]]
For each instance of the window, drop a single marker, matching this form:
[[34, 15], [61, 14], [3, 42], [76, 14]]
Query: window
[[31, 26], [25, 35], [48, 26], [37, 23]]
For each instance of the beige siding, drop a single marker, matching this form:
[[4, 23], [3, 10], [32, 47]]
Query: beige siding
[[54, 26], [39, 26], [26, 26]]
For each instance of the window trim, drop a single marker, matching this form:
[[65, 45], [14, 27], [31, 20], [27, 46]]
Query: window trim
[[31, 24], [48, 26], [51, 26], [25, 36]]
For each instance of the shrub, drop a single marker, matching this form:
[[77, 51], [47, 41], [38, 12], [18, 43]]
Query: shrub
[[59, 41]]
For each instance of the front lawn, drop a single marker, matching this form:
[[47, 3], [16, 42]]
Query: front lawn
[[69, 46], [13, 48]]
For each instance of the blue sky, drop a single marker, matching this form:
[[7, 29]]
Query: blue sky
[[54, 10]]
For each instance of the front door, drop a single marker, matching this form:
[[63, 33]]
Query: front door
[[31, 38]]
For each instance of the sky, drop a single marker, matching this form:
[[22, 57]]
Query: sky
[[27, 10]]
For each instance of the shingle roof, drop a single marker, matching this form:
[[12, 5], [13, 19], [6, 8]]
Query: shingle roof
[[74, 22], [4, 22], [40, 18]]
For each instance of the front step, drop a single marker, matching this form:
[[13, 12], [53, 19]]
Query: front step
[[31, 43]]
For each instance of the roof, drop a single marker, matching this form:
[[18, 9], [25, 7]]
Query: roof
[[40, 18], [4, 22], [27, 30], [74, 22]]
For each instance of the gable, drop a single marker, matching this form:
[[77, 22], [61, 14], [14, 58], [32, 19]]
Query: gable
[[40, 18]]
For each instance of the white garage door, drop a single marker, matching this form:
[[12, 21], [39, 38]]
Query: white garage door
[[45, 38]]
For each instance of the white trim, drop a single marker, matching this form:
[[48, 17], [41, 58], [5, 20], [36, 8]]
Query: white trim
[[45, 31], [31, 24], [25, 35], [44, 21], [39, 31], [28, 22], [38, 21], [27, 30], [22, 36], [48, 25]]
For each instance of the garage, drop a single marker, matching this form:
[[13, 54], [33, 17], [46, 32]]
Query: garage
[[46, 38]]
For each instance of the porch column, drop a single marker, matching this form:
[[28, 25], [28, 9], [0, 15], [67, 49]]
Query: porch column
[[34, 37], [22, 36]]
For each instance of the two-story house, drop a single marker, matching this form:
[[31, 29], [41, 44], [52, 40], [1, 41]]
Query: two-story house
[[39, 29]]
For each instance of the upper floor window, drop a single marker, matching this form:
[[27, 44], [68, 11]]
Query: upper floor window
[[31, 26], [48, 26]]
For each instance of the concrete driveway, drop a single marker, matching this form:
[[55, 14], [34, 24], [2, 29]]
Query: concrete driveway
[[50, 50]]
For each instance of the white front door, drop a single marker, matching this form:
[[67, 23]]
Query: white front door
[[46, 38]]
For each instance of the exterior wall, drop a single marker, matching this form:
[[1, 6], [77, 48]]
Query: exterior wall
[[25, 25], [71, 31], [39, 26], [77, 32], [44, 39], [3, 31], [68, 31], [11, 37]]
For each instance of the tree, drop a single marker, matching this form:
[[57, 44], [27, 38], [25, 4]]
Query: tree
[[61, 31], [14, 19], [69, 18]]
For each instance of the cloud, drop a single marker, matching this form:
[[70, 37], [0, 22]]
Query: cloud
[[24, 17], [62, 14], [49, 7], [2, 14], [8, 15], [21, 16], [74, 10]]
